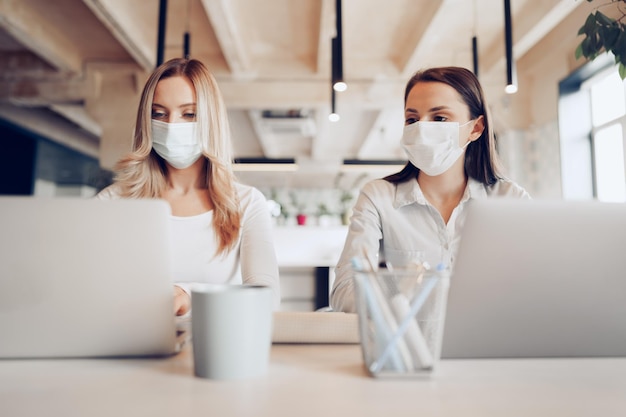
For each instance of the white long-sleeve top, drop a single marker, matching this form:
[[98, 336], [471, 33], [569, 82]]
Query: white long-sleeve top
[[194, 246], [390, 218]]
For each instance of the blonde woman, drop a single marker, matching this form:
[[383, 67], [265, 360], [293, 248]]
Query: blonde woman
[[221, 229]]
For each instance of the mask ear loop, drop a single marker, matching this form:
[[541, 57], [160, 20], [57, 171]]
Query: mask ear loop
[[470, 141]]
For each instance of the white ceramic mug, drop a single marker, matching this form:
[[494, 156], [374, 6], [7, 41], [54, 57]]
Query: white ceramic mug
[[231, 330]]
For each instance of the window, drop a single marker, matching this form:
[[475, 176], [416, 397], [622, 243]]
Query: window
[[608, 115], [592, 128]]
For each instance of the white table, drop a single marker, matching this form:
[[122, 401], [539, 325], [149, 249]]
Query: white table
[[313, 380]]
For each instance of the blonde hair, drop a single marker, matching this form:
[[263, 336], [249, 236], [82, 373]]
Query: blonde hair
[[143, 174]]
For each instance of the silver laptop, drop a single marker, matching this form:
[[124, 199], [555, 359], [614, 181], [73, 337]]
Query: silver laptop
[[539, 279], [84, 278]]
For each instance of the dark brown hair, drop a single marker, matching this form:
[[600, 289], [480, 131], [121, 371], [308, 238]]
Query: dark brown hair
[[481, 158]]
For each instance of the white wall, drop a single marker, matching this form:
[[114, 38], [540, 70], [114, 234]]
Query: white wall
[[532, 159]]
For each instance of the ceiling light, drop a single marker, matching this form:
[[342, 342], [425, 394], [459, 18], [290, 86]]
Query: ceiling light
[[337, 52], [510, 89], [475, 54], [333, 116], [264, 164], [340, 86], [187, 35], [161, 32], [337, 82], [388, 165], [511, 76], [475, 42]]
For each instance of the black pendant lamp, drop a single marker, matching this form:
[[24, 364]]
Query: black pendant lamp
[[511, 74]]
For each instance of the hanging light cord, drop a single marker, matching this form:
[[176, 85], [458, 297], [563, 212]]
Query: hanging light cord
[[186, 35]]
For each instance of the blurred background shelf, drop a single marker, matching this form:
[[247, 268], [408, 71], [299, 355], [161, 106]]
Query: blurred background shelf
[[307, 256]]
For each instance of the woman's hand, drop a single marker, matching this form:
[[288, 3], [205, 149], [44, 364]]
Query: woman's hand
[[182, 301]]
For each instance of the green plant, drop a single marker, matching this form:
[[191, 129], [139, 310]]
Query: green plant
[[322, 210], [605, 34], [347, 193]]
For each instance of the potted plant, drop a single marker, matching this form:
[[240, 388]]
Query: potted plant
[[603, 33], [323, 215], [300, 212], [346, 196]]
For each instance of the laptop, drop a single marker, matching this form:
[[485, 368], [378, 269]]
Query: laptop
[[85, 278], [539, 279]]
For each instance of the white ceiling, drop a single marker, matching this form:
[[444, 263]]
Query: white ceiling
[[266, 55]]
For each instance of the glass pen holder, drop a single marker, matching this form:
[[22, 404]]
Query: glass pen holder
[[401, 319]]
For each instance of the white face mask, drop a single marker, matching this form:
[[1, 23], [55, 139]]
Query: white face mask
[[433, 147], [176, 143]]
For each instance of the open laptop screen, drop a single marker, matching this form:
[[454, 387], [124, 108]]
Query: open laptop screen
[[84, 278], [539, 279]]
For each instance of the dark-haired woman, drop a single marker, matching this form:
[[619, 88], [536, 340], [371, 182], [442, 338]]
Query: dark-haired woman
[[449, 140]]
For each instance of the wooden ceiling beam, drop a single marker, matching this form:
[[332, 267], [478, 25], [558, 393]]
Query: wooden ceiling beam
[[529, 27], [326, 33], [264, 94], [32, 30], [127, 23], [223, 18], [408, 55]]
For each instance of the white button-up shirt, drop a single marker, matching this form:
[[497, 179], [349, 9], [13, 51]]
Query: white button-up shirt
[[392, 218]]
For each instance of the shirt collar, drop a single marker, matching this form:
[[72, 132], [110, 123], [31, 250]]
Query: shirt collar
[[409, 192], [474, 189]]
